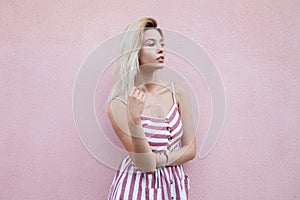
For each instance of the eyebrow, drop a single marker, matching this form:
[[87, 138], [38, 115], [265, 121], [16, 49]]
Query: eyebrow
[[154, 39]]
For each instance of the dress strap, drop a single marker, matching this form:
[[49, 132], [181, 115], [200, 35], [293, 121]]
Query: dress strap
[[173, 91], [120, 99]]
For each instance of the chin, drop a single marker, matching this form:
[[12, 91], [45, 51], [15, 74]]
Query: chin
[[161, 65], [153, 67]]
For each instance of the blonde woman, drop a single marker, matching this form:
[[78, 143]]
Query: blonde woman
[[152, 118]]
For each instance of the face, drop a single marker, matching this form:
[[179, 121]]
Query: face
[[151, 53]]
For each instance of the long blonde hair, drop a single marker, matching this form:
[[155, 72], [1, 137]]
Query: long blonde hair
[[127, 65]]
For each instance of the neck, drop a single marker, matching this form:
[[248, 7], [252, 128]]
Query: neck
[[143, 78]]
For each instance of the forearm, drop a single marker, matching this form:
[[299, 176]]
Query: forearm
[[178, 157], [181, 156], [142, 155]]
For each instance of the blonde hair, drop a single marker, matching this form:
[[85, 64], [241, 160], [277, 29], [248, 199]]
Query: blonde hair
[[127, 65]]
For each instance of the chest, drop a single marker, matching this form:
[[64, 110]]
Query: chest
[[158, 106]]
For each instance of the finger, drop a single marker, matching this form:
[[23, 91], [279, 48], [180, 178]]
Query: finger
[[143, 89], [143, 97], [132, 91], [142, 93], [139, 96], [137, 92]]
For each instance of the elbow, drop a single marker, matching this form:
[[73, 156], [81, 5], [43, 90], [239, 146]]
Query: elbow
[[193, 151], [193, 155]]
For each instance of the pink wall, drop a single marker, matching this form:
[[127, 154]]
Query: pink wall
[[254, 44]]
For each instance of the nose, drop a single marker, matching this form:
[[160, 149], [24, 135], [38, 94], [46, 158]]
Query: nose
[[159, 51], [160, 48]]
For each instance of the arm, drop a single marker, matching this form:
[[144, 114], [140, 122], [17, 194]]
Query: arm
[[125, 122], [188, 150]]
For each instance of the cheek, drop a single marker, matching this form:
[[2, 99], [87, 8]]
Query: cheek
[[146, 56]]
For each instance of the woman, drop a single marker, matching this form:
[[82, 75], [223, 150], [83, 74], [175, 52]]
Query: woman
[[158, 142]]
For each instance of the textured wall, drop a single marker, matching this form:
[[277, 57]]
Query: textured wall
[[254, 44]]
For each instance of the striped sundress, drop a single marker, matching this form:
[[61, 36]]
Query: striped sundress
[[166, 183]]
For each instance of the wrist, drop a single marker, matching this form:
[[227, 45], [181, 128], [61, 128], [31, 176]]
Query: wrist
[[160, 160], [134, 121], [167, 159]]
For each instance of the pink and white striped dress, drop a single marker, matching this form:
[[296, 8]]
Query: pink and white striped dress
[[166, 183]]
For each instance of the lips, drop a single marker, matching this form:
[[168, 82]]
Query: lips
[[160, 58]]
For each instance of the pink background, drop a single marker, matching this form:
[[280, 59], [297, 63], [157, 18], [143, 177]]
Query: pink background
[[254, 44]]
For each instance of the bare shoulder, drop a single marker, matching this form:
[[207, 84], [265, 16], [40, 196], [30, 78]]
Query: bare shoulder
[[180, 90], [117, 112], [118, 101]]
